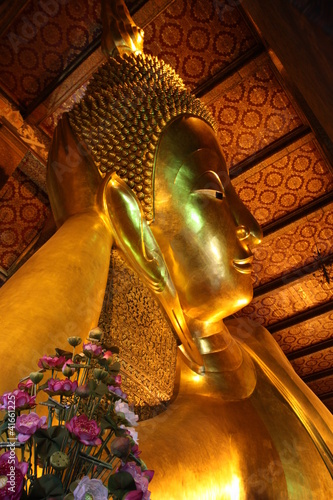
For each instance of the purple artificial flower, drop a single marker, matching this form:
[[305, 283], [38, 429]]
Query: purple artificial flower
[[121, 446], [92, 350], [9, 463], [52, 362], [17, 400], [133, 495], [93, 487], [27, 424], [117, 391], [84, 430], [141, 479], [64, 387]]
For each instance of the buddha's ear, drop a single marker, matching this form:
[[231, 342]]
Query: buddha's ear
[[135, 239], [132, 234]]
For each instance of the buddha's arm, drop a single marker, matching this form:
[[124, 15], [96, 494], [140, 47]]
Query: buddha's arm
[[59, 291], [266, 352]]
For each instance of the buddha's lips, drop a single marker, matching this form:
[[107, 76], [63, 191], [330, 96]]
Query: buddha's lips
[[243, 265]]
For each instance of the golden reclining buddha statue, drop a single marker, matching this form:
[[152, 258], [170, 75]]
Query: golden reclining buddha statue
[[136, 164]]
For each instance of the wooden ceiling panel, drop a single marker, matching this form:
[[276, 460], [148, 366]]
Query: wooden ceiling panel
[[313, 363], [297, 177], [322, 386], [252, 114], [199, 38], [294, 246], [42, 42], [24, 208], [305, 334], [309, 291], [260, 129]]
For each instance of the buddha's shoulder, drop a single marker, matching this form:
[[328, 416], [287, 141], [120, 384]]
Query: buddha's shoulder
[[258, 340], [270, 359]]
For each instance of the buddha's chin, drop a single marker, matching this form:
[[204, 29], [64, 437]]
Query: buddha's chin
[[214, 315], [213, 307]]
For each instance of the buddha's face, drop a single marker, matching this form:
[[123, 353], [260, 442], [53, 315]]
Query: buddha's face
[[203, 229]]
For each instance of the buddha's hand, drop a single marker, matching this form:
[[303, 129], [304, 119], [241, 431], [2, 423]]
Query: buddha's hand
[[120, 33], [73, 180]]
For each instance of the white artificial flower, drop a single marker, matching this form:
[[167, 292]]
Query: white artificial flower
[[133, 433], [122, 407]]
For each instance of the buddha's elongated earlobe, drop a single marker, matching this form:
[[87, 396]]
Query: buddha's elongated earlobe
[[135, 239]]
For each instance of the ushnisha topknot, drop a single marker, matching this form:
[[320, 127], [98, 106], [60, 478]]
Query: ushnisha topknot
[[127, 104]]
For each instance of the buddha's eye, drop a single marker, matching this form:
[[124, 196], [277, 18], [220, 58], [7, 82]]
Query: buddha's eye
[[212, 192], [210, 184]]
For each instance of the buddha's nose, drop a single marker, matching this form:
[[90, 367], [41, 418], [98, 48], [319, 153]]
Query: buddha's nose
[[248, 230], [251, 233]]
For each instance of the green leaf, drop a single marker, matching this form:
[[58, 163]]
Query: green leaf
[[103, 362], [74, 485], [115, 367], [78, 365], [50, 440], [92, 384], [4, 425], [120, 432], [120, 483], [61, 352], [47, 486], [42, 387], [101, 389], [108, 423]]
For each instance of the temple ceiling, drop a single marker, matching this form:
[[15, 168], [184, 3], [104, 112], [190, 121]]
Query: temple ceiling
[[277, 155]]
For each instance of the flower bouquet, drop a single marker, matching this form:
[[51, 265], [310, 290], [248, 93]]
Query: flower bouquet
[[82, 444]]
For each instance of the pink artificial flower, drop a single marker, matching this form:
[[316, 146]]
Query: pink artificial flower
[[141, 479], [107, 355], [135, 450], [92, 488], [17, 400], [83, 391], [84, 430], [64, 387], [25, 384], [67, 370], [8, 465], [27, 424], [51, 362], [118, 379], [92, 350]]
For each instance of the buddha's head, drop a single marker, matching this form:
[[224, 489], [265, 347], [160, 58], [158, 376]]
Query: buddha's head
[[139, 121]]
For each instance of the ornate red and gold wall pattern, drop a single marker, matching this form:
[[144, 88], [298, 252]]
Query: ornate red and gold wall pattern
[[273, 151]]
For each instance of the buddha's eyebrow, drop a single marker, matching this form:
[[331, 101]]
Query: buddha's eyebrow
[[212, 172], [193, 155]]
